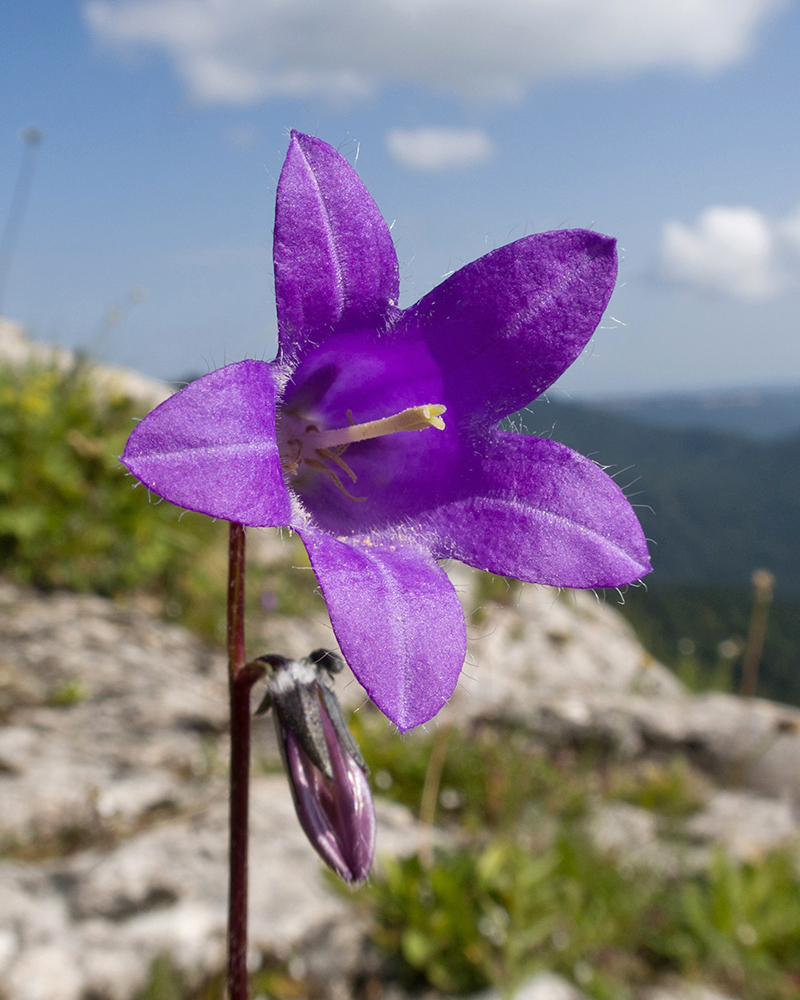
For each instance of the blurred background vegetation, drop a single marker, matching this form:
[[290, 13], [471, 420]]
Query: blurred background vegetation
[[71, 517], [717, 489], [517, 886], [521, 889]]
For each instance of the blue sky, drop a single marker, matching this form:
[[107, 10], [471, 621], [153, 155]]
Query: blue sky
[[673, 126]]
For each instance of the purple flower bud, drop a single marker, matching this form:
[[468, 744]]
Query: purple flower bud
[[327, 774], [336, 813]]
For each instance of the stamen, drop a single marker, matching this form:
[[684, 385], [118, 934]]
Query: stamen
[[415, 418], [292, 462], [333, 456], [315, 464]]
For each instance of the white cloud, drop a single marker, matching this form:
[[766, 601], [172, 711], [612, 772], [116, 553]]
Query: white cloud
[[439, 148], [242, 51], [737, 251]]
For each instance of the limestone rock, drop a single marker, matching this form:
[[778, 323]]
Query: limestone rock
[[569, 669], [544, 986], [681, 990], [113, 756], [548, 986], [95, 921], [133, 765], [148, 702], [631, 836], [748, 826], [18, 349]]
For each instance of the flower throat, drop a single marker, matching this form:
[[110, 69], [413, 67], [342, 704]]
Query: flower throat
[[319, 449]]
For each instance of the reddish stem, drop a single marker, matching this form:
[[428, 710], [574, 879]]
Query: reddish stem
[[240, 682], [236, 599]]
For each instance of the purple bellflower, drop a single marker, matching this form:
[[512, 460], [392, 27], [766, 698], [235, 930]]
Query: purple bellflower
[[327, 774], [374, 433]]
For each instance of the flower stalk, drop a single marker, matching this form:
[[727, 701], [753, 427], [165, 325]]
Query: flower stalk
[[241, 680]]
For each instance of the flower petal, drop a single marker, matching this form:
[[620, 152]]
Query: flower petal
[[503, 328], [335, 264], [538, 511], [396, 617], [211, 447]]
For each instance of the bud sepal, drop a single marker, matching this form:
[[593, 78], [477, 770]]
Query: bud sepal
[[327, 773]]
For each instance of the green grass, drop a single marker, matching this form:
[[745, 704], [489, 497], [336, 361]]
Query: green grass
[[497, 775], [498, 914]]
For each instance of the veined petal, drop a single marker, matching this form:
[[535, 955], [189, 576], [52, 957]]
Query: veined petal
[[211, 447], [335, 264], [503, 328], [396, 617], [538, 511]]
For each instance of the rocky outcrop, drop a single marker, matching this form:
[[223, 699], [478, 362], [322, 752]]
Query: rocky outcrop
[[113, 806], [95, 921], [113, 759], [568, 668]]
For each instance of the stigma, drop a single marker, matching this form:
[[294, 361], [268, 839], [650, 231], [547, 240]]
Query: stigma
[[415, 418], [320, 449]]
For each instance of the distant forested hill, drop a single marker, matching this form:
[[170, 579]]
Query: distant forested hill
[[722, 504], [763, 413]]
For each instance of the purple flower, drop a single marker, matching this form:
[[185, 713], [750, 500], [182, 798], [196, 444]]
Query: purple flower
[[284, 443]]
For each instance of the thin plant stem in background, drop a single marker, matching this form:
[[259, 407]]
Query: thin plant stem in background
[[430, 792], [763, 582], [32, 138]]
